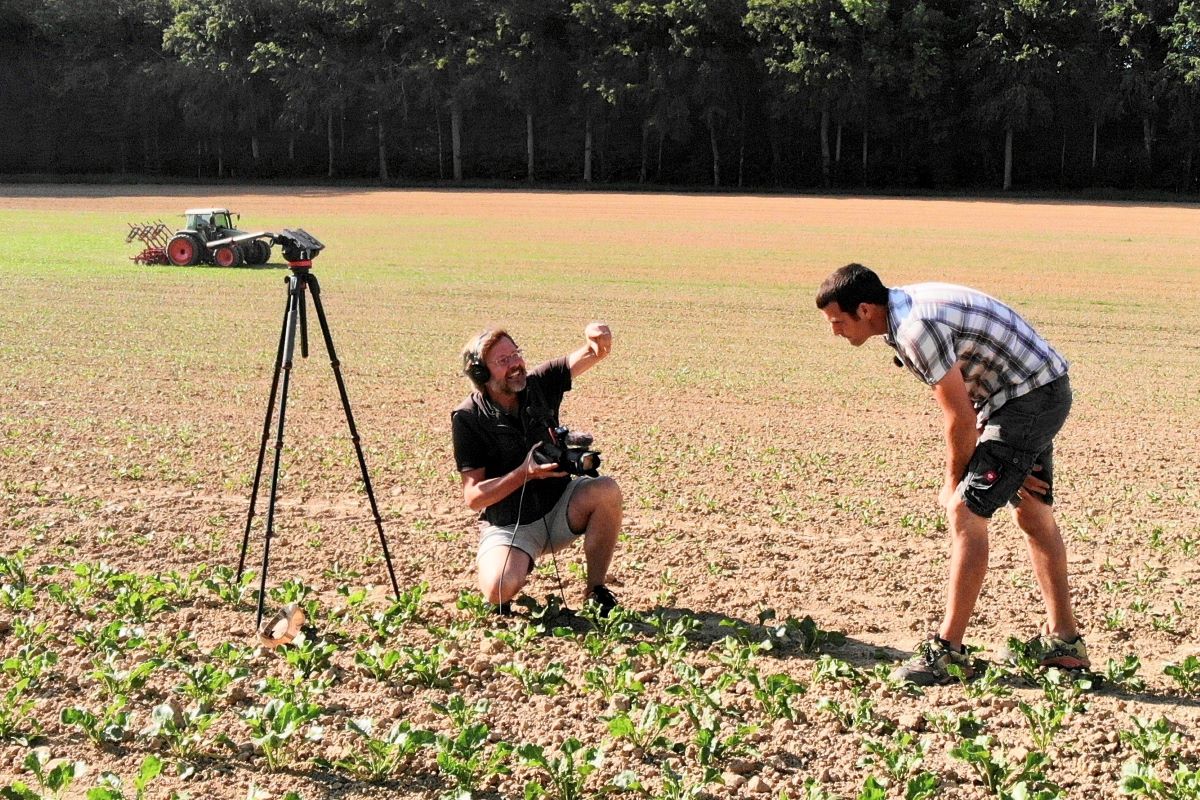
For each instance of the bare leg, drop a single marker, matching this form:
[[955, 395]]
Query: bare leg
[[1049, 558], [500, 582], [968, 567], [595, 511]]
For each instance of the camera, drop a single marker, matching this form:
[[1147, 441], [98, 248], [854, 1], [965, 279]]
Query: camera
[[298, 245], [570, 450]]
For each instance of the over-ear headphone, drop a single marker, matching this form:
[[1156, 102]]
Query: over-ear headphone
[[473, 366]]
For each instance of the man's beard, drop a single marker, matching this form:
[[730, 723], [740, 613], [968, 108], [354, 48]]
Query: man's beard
[[514, 380]]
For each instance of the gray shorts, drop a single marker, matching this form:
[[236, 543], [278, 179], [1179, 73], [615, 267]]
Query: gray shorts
[[1016, 439], [549, 534]]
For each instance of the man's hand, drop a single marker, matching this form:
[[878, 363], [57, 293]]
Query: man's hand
[[534, 471], [947, 494], [1034, 486], [599, 338]]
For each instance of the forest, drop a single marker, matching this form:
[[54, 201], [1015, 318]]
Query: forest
[[910, 95]]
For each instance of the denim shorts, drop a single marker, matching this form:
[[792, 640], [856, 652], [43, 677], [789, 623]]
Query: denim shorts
[[1016, 439], [549, 534]]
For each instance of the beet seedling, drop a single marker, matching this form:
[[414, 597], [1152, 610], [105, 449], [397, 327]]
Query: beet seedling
[[1141, 780], [274, 725], [111, 725], [1123, 674], [428, 666], [567, 772], [645, 728], [464, 760], [608, 681], [1153, 742], [380, 758], [110, 786], [118, 682], [775, 693], [53, 782], [225, 585], [1186, 674], [16, 722], [387, 624], [29, 663], [382, 665], [899, 756], [1005, 779], [182, 731], [536, 681]]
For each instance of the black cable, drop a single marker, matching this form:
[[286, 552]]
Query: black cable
[[511, 544]]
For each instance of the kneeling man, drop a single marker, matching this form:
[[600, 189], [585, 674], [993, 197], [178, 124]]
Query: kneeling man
[[528, 509]]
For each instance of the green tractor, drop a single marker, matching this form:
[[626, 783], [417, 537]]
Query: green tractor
[[210, 237]]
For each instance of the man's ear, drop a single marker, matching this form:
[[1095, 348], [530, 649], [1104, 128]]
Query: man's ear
[[863, 311]]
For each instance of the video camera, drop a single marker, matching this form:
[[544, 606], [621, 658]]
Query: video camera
[[299, 246], [570, 450]]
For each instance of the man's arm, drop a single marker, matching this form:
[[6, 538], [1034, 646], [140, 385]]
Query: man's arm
[[961, 433], [480, 492], [599, 343]]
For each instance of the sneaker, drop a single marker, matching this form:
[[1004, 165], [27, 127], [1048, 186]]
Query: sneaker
[[601, 596], [1050, 651], [929, 664]]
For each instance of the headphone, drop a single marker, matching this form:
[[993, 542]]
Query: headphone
[[473, 366]]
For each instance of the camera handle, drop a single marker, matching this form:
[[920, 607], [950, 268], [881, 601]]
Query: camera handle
[[295, 319]]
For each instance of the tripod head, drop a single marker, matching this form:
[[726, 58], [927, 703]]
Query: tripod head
[[299, 247]]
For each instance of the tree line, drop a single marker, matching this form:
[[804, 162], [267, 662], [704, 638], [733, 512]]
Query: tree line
[[1057, 94]]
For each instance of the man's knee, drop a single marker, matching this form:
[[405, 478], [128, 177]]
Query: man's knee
[[1033, 515], [597, 494], [608, 493], [965, 523], [499, 588], [500, 577]]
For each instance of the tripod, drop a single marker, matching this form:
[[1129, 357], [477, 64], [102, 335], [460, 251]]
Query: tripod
[[295, 318]]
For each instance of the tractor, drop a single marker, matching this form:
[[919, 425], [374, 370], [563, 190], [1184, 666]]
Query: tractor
[[210, 237]]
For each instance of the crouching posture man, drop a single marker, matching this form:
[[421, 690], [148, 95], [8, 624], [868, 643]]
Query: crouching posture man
[[1004, 395], [528, 509]]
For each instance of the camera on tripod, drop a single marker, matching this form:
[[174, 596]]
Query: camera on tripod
[[298, 246], [570, 450]]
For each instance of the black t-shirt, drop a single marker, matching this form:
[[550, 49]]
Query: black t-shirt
[[487, 437]]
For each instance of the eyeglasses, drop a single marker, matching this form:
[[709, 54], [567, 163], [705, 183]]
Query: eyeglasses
[[504, 362]]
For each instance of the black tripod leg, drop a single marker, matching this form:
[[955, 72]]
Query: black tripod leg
[[295, 302], [266, 432], [362, 462]]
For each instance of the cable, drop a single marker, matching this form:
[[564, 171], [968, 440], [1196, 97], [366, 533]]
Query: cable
[[512, 539], [511, 544]]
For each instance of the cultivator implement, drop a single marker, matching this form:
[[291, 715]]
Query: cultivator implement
[[154, 237]]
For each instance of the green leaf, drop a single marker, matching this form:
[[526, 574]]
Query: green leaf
[[19, 791]]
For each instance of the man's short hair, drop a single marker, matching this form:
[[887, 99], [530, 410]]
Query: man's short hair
[[851, 286], [476, 350]]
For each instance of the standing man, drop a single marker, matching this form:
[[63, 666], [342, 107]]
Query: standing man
[[526, 508], [1004, 395]]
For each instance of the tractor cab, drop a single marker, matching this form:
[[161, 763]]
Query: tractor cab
[[210, 223]]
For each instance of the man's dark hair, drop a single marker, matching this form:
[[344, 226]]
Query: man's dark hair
[[851, 286]]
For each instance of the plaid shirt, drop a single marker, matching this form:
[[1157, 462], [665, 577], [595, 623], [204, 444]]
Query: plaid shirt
[[934, 326]]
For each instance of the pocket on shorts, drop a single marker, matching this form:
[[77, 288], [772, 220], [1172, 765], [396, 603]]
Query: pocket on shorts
[[994, 474]]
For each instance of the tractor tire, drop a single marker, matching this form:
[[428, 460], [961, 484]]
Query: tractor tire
[[184, 250], [227, 255], [258, 252]]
